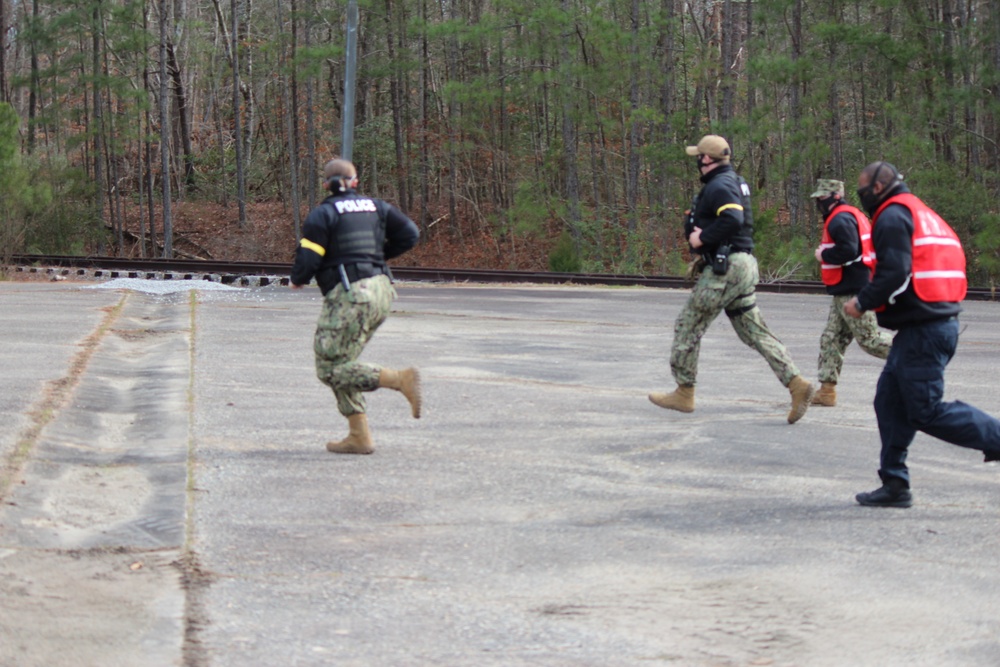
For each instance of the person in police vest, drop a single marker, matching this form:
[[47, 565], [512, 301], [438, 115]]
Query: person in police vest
[[719, 228], [916, 289], [345, 243], [846, 257]]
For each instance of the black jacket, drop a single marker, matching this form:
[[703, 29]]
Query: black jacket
[[843, 231], [892, 235], [320, 251], [723, 212]]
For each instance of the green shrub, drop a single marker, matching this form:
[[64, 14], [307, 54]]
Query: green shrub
[[565, 258], [22, 193]]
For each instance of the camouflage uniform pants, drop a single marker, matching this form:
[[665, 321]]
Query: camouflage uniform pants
[[840, 330], [346, 324], [734, 294]]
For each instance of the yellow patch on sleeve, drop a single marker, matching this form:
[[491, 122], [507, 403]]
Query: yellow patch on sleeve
[[723, 208], [315, 247]]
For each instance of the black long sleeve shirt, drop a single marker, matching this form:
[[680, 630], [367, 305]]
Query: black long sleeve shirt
[[720, 212]]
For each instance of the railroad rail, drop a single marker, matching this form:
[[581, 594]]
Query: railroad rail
[[274, 272]]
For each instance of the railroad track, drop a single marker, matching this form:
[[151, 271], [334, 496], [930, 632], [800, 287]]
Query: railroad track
[[274, 272]]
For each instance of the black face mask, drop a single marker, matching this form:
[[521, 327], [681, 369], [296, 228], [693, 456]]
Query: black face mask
[[825, 204], [869, 200]]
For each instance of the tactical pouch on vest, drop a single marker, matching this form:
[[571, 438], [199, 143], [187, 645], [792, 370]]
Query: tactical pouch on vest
[[720, 262]]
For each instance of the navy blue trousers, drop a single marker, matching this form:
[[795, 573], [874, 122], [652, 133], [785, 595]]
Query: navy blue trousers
[[908, 398]]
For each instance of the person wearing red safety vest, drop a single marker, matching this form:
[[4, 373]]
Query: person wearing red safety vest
[[918, 283], [846, 256]]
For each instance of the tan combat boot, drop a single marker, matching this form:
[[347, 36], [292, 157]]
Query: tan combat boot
[[358, 440], [407, 382], [681, 399], [827, 395], [802, 392]]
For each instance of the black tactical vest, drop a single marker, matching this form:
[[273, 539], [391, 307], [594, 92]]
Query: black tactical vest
[[358, 235]]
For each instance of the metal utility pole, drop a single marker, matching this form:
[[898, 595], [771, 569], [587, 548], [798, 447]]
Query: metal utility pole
[[350, 74]]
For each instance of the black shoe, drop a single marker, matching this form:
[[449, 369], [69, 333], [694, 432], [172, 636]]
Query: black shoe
[[886, 496], [991, 456]]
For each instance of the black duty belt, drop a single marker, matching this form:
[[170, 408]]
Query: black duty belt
[[362, 270]]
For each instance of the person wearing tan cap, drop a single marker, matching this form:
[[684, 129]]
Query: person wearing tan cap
[[846, 258], [720, 230]]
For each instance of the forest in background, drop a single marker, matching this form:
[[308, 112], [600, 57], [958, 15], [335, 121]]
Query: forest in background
[[533, 134]]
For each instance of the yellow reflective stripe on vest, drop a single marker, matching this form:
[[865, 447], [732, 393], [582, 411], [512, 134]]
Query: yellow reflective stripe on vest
[[724, 207], [315, 247]]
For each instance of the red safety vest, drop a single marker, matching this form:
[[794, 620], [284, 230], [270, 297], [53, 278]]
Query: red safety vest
[[938, 258], [833, 273]]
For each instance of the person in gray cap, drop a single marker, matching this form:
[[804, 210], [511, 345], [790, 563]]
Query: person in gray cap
[[846, 259], [719, 228]]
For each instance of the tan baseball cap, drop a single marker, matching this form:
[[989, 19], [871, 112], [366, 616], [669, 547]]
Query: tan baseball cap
[[826, 187], [713, 146]]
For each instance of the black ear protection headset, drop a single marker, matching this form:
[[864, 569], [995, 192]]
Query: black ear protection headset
[[341, 181], [896, 176]]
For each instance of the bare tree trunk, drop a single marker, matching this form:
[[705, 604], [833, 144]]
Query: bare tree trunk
[[98, 119], [35, 83], [890, 84], [395, 97], [973, 159], [4, 93], [168, 227], [310, 112], [251, 106], [861, 114], [504, 196], [229, 42], [296, 136], [835, 134], [455, 225], [795, 110], [141, 183], [112, 159], [148, 140], [758, 169], [728, 58], [994, 119], [568, 132], [634, 139], [293, 167], [117, 214], [182, 115], [424, 93], [241, 196], [217, 119], [665, 56]]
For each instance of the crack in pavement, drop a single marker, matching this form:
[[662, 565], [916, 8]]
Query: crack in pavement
[[95, 533]]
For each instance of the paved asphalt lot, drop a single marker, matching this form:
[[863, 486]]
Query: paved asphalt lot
[[166, 498]]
